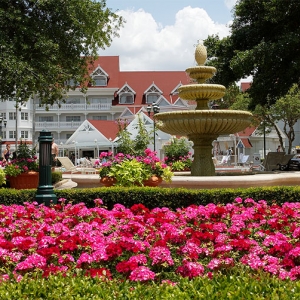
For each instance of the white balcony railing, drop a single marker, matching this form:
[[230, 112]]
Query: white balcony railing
[[76, 107], [57, 125]]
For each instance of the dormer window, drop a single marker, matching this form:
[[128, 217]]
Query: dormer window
[[100, 77], [126, 95], [100, 81], [126, 98], [152, 98], [152, 94]]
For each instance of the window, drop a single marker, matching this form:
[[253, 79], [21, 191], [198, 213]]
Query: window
[[152, 98], [24, 116], [101, 100], [99, 118], [3, 115], [24, 134], [3, 135], [73, 83], [72, 118], [12, 134], [68, 135], [126, 98], [73, 101], [46, 119], [100, 81], [12, 116]]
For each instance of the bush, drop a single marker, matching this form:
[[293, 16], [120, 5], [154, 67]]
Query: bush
[[56, 177], [178, 155]]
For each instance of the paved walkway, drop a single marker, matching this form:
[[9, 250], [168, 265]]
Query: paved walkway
[[291, 178]]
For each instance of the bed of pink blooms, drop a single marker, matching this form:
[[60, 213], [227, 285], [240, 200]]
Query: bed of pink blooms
[[139, 243]]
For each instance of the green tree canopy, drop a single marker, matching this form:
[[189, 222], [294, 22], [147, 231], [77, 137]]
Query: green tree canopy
[[46, 44], [264, 42]]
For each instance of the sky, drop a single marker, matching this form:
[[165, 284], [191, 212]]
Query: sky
[[162, 34]]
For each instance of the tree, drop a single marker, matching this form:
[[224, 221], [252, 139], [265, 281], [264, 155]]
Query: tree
[[45, 45], [133, 146], [287, 110], [264, 43]]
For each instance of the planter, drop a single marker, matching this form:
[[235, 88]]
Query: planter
[[28, 180], [153, 181], [108, 181]]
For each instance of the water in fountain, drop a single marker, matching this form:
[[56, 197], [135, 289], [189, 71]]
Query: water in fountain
[[202, 126]]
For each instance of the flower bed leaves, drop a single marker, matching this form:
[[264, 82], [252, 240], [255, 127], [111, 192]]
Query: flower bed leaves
[[140, 244]]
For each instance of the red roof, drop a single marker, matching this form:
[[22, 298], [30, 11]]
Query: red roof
[[139, 81], [108, 128], [166, 81], [245, 86], [247, 132], [246, 143]]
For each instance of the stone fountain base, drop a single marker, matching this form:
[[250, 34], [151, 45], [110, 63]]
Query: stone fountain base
[[204, 182]]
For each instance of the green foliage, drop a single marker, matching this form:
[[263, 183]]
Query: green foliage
[[125, 143], [157, 197], [178, 166], [56, 177], [45, 44], [239, 283], [142, 139], [2, 177], [136, 146], [178, 154], [133, 170], [177, 148], [129, 173], [261, 46]]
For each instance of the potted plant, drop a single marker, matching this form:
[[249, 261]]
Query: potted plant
[[22, 171], [129, 170]]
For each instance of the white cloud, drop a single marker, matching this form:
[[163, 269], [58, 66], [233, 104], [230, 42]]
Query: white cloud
[[230, 3], [145, 44]]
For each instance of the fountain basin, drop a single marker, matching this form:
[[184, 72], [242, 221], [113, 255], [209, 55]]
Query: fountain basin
[[201, 91], [203, 122], [201, 74]]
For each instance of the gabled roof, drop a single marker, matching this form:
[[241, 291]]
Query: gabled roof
[[153, 88], [108, 128], [126, 89], [99, 71], [244, 143]]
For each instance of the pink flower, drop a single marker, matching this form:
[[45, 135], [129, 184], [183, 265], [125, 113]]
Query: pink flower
[[160, 255], [142, 274], [190, 269]]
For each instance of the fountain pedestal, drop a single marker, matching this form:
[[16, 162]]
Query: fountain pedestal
[[202, 164]]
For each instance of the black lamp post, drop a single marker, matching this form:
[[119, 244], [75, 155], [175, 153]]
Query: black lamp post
[[1, 133], [45, 193], [155, 107]]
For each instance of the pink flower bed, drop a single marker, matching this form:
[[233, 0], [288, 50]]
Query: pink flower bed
[[139, 243]]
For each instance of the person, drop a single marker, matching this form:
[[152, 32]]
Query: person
[[54, 154], [278, 149], [6, 153], [229, 153]]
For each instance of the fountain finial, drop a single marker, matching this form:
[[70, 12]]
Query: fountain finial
[[200, 54]]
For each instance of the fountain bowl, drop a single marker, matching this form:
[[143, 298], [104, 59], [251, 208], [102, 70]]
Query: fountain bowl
[[201, 91], [203, 122]]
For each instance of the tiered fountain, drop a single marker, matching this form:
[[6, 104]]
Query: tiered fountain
[[202, 126]]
